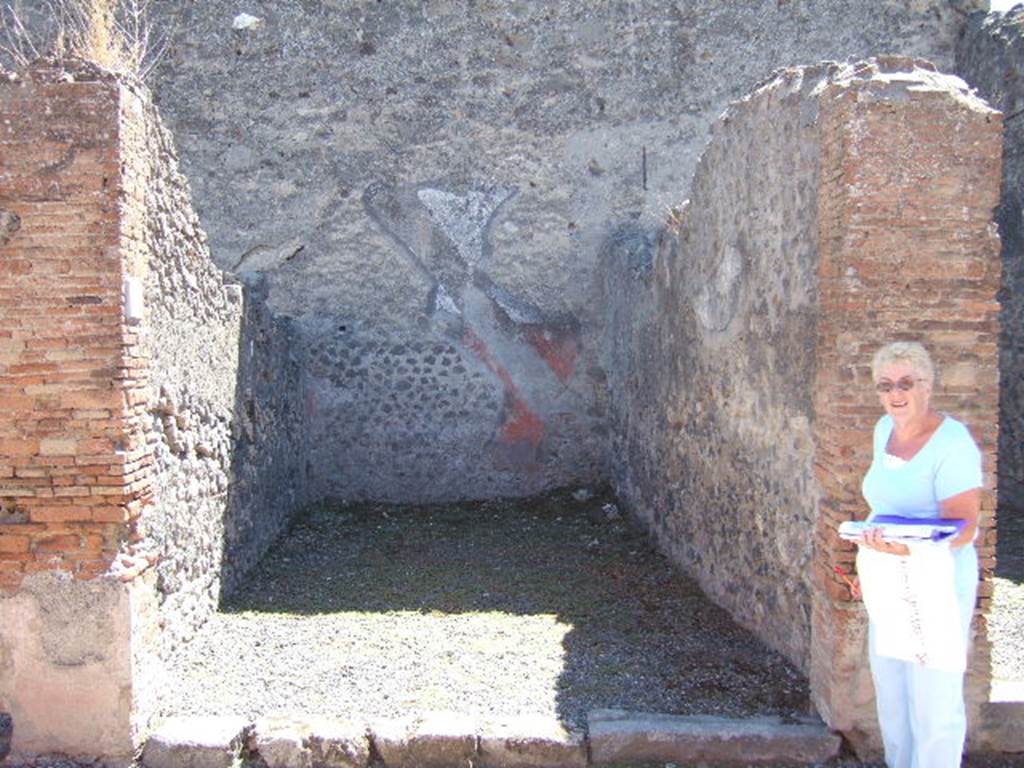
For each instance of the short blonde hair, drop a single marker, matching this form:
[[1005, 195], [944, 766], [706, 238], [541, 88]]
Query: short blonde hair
[[904, 352]]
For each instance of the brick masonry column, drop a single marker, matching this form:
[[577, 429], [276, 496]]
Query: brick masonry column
[[910, 177], [75, 469], [73, 464]]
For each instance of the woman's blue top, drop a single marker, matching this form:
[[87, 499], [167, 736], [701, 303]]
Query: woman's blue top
[[947, 465]]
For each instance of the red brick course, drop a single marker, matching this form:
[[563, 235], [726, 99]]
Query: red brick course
[[73, 463], [908, 251]]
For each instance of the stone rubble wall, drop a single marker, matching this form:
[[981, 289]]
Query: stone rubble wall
[[990, 57], [444, 175], [269, 469], [390, 418], [194, 324], [225, 418], [711, 354], [836, 208]]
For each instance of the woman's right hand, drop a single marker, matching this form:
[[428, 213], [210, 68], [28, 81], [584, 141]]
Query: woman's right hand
[[872, 539]]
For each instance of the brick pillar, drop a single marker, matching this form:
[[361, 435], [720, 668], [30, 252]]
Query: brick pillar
[[910, 178], [74, 466]]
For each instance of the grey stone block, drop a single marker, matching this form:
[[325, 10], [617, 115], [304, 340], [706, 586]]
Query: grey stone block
[[196, 742], [336, 743], [636, 737], [282, 741], [1002, 727], [531, 741], [438, 739]]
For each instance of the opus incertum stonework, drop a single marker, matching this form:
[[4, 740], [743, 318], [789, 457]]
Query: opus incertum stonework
[[442, 251]]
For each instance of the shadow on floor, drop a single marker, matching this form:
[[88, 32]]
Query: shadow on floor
[[550, 605], [1010, 545]]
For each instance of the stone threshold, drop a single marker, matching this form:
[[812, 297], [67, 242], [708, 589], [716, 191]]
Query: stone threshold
[[1003, 717], [613, 737]]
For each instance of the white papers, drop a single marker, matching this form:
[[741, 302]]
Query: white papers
[[904, 529], [912, 604]]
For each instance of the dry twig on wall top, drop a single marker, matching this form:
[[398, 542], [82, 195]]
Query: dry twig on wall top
[[117, 35]]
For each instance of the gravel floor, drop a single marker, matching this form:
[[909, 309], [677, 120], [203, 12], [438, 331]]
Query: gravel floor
[[502, 607], [494, 608]]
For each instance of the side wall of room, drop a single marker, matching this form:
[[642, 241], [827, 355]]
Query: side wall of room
[[713, 416], [835, 209], [151, 434]]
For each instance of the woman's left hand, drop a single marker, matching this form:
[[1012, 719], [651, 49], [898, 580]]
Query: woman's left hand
[[872, 539]]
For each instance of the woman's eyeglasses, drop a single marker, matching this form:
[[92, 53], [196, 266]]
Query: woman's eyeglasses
[[904, 384]]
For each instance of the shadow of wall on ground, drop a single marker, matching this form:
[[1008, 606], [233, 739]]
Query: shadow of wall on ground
[[549, 582]]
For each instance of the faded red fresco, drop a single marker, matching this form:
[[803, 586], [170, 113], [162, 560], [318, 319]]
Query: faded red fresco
[[559, 349], [522, 423]]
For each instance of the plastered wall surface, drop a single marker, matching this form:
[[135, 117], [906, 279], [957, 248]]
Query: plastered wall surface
[[65, 677], [285, 125], [446, 175], [990, 57]]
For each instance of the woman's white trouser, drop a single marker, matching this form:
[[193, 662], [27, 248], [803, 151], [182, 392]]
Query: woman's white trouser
[[921, 710]]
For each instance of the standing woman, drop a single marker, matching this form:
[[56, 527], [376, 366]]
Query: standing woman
[[925, 464]]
